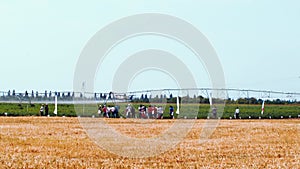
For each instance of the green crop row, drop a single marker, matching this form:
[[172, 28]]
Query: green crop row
[[186, 111]]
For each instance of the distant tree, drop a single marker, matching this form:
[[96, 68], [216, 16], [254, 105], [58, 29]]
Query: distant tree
[[278, 101], [201, 99], [156, 99], [110, 95], [229, 101], [242, 101], [252, 100]]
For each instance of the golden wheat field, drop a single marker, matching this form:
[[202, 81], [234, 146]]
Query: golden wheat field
[[57, 142]]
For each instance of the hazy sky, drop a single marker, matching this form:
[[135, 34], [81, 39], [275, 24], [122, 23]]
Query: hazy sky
[[257, 41]]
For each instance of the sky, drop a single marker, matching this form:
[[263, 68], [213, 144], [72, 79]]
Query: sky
[[257, 42]]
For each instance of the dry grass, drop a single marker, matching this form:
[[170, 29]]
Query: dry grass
[[38, 142]]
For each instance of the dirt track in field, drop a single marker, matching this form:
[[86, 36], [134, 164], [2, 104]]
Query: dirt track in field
[[40, 142]]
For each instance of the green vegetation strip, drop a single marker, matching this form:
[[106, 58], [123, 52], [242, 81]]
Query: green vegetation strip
[[186, 111]]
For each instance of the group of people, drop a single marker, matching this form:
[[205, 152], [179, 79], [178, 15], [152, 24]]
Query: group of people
[[150, 112], [144, 112], [108, 112], [44, 110]]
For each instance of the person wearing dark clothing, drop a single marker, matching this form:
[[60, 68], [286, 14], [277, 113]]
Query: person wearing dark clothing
[[237, 113], [115, 112], [46, 110], [42, 110], [171, 109]]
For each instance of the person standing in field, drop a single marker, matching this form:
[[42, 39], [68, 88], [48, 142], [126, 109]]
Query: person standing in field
[[99, 110], [46, 110], [42, 110], [237, 113], [171, 111], [150, 112], [105, 111], [155, 112], [128, 110], [140, 111], [160, 112], [214, 112], [115, 111], [143, 111]]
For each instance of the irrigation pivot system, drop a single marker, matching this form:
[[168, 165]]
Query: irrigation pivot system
[[84, 96]]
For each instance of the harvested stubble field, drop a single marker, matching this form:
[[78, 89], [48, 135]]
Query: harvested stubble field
[[56, 142]]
